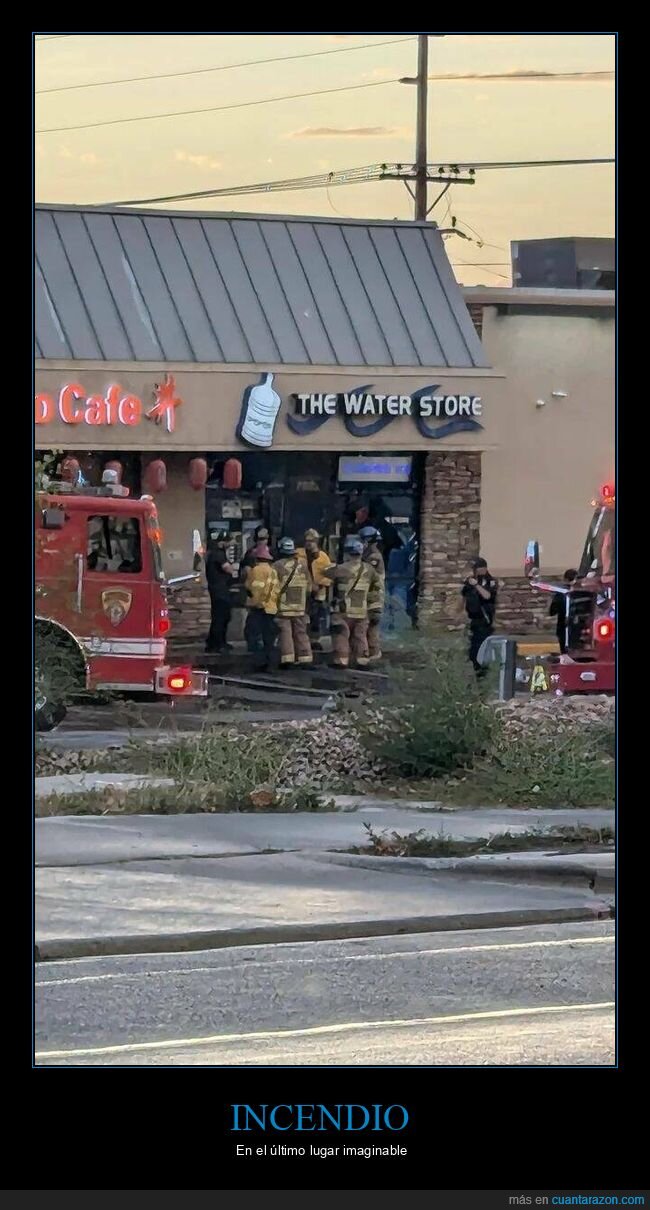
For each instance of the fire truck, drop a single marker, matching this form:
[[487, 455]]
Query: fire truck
[[589, 665], [102, 597]]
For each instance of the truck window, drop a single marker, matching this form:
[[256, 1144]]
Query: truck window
[[114, 545]]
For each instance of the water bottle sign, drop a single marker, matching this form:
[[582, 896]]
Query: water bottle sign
[[261, 407]]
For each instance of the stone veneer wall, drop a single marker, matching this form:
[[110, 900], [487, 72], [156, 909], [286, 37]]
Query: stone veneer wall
[[450, 537], [520, 610], [449, 532], [189, 612]]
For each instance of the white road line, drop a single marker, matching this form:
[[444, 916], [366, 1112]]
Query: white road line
[[453, 949], [315, 1030]]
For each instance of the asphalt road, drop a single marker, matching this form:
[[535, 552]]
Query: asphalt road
[[534, 995]]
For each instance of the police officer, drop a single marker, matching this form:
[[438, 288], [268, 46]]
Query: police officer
[[371, 538], [218, 573], [480, 595], [354, 582], [294, 589]]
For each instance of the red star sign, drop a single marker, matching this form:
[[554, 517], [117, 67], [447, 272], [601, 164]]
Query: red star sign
[[166, 402]]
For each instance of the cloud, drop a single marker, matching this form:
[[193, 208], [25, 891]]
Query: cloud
[[89, 158], [525, 74], [349, 132], [199, 161]]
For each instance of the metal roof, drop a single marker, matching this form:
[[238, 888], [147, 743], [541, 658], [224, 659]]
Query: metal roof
[[120, 285]]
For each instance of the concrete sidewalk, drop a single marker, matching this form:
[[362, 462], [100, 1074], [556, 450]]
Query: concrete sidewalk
[[75, 840], [199, 904]]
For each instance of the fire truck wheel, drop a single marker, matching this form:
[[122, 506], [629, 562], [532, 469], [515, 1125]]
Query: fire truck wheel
[[49, 715], [58, 674]]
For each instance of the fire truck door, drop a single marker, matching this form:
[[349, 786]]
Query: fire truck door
[[117, 591], [56, 570]]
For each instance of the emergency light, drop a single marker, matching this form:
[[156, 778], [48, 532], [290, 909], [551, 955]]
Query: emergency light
[[604, 630]]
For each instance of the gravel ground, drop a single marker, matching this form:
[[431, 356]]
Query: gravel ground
[[329, 746]]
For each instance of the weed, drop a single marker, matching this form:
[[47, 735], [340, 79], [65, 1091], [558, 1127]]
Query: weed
[[423, 844]]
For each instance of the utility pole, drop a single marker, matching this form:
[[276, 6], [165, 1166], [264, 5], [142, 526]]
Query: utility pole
[[421, 171]]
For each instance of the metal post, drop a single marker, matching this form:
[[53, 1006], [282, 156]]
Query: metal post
[[421, 133], [507, 670]]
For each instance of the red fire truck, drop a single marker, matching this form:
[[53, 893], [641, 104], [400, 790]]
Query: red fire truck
[[101, 597], [589, 665]]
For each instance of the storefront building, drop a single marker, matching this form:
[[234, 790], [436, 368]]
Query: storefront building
[[553, 434], [291, 371]]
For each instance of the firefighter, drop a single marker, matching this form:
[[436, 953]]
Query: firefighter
[[260, 538], [252, 636], [262, 589], [317, 560], [480, 595], [371, 538], [294, 589], [354, 582], [218, 573]]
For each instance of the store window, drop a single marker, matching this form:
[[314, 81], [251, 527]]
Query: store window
[[114, 545]]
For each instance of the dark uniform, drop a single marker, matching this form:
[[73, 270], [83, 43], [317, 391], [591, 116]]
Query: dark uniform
[[480, 611], [559, 609], [219, 581]]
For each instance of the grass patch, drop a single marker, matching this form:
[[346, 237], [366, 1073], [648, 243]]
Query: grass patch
[[435, 715], [196, 799], [568, 769], [424, 844]]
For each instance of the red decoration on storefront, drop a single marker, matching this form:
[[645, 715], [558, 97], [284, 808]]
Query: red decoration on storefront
[[198, 473], [70, 470], [232, 474], [116, 466], [155, 477]]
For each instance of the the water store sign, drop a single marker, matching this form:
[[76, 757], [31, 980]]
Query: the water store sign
[[363, 411]]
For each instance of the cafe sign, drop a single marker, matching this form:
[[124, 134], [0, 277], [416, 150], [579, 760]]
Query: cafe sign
[[74, 405]]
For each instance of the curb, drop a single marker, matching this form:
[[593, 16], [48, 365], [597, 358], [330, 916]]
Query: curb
[[548, 868], [173, 943]]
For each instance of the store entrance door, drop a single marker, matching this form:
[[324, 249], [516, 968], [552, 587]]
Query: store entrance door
[[395, 513]]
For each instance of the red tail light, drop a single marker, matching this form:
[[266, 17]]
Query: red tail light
[[163, 625], [179, 680], [604, 630]]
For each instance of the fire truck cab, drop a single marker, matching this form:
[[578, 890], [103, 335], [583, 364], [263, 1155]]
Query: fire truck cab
[[101, 595], [589, 665]]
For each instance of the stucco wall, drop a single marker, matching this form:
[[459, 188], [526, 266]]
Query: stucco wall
[[547, 463], [181, 510]]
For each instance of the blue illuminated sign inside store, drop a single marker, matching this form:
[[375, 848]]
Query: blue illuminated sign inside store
[[375, 469]]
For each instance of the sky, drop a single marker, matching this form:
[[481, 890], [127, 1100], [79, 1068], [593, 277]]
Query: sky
[[500, 109]]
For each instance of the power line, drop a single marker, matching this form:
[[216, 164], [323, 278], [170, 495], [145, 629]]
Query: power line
[[314, 54], [350, 176], [478, 266], [319, 92]]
